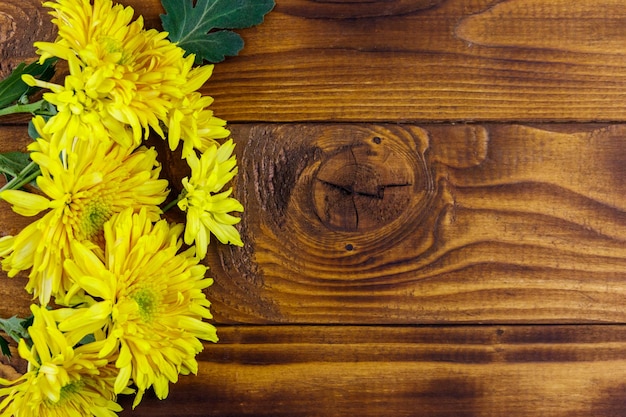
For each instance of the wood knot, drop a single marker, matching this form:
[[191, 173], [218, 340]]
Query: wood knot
[[367, 180], [363, 186], [7, 27], [21, 24], [328, 203], [324, 179]]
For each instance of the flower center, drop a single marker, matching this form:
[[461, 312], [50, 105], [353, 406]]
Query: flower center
[[67, 392], [71, 388], [148, 301], [115, 49], [92, 219]]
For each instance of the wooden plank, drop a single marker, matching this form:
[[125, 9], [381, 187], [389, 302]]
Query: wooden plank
[[399, 60], [14, 138], [474, 371], [21, 24], [363, 223], [455, 60], [357, 232]]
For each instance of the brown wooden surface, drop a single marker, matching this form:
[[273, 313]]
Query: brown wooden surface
[[574, 371], [405, 60], [435, 216]]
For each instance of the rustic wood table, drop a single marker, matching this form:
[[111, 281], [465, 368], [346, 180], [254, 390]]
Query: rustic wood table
[[435, 220]]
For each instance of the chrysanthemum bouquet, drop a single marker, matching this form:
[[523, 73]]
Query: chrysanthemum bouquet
[[119, 305]]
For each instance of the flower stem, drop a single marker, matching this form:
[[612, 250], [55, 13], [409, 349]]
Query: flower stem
[[175, 201], [22, 108], [26, 175]]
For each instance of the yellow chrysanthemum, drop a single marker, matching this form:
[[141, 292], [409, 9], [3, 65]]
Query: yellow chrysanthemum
[[151, 301], [120, 74], [207, 206], [62, 380], [84, 187], [191, 120]]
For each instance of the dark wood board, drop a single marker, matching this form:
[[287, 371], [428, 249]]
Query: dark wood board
[[435, 218]]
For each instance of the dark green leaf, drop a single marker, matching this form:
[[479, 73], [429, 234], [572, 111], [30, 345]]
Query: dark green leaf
[[28, 321], [47, 110], [12, 163], [90, 338], [193, 27], [32, 131], [13, 88], [13, 328], [4, 347], [218, 45]]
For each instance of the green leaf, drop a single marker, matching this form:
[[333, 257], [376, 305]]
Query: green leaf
[[90, 338], [13, 88], [218, 45], [14, 328], [32, 130], [12, 163], [4, 346], [196, 28], [28, 321], [19, 170]]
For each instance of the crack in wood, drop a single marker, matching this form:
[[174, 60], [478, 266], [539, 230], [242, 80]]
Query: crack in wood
[[352, 190]]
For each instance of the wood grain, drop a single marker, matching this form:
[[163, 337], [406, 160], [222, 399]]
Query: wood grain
[[21, 24], [427, 60], [474, 371], [409, 224], [546, 61], [427, 224], [435, 196]]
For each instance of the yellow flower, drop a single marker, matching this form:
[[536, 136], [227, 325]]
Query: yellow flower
[[151, 301], [207, 206], [83, 188], [191, 120], [62, 380], [120, 74]]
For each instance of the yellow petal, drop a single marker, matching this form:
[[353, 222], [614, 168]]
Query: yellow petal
[[198, 76], [26, 204], [121, 382], [138, 398], [6, 245]]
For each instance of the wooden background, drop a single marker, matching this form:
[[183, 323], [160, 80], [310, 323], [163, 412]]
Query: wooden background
[[435, 217]]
